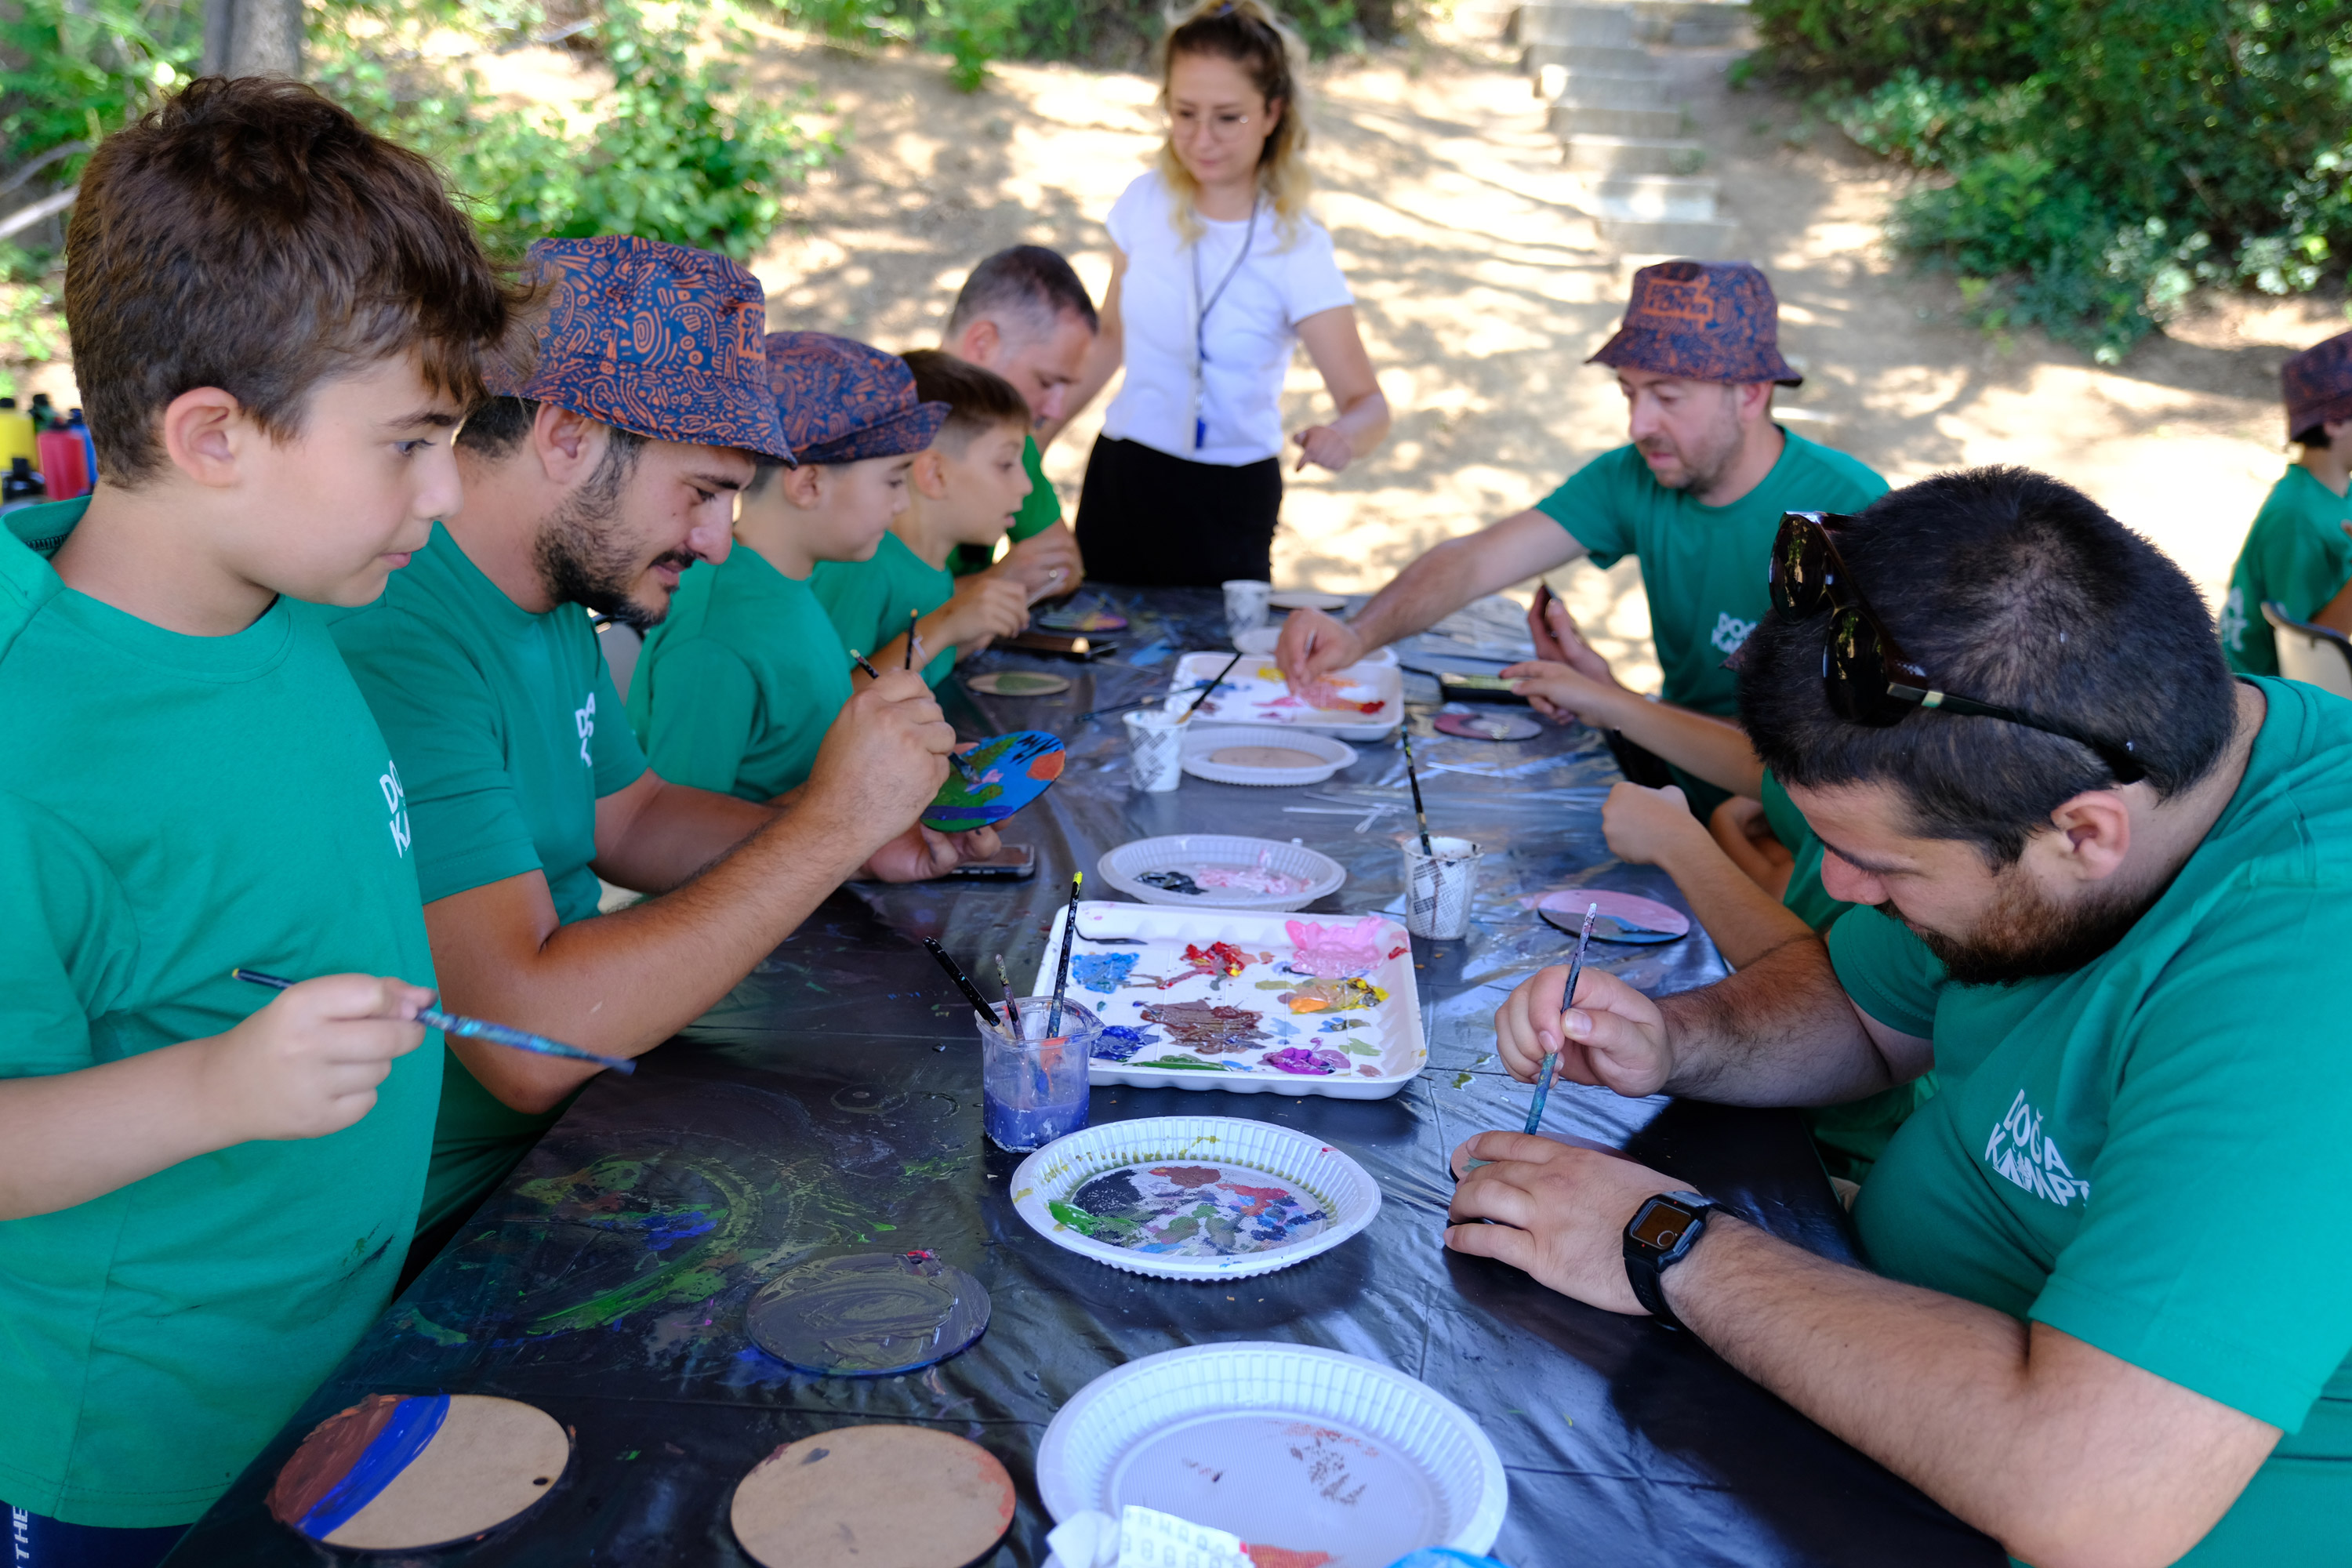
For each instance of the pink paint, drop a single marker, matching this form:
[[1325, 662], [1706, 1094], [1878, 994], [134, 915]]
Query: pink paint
[[1336, 953]]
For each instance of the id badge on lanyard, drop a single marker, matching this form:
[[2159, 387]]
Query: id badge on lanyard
[[1201, 327]]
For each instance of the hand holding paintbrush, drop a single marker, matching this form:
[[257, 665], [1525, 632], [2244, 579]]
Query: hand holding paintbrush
[[956, 759], [1568, 999]]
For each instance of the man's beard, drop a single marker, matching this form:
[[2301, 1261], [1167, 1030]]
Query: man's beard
[[2025, 935], [583, 557], [1703, 469]]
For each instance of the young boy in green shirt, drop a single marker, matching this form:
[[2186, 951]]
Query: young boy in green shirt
[[275, 321], [2297, 553], [964, 491], [738, 685]]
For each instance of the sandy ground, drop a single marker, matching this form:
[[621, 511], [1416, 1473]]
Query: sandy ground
[[1481, 291]]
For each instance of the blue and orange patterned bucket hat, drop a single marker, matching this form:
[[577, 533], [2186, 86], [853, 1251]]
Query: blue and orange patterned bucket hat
[[1701, 321], [2318, 384], [842, 401], [654, 338]]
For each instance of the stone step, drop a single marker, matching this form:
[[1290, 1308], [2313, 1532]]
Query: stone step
[[1651, 198], [1693, 24], [1569, 119], [1592, 90], [1536, 59], [1591, 153], [1600, 26], [1714, 240]]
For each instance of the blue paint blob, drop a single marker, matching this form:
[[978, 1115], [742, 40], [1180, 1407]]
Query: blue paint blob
[[1103, 972], [391, 1451], [1118, 1043]]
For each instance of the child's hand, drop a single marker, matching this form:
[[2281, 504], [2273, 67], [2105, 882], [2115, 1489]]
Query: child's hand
[[1645, 826], [985, 607], [1560, 691], [309, 1063], [1047, 563]]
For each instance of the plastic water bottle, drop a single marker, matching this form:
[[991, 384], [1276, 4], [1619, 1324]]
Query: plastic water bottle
[[88, 447], [15, 433]]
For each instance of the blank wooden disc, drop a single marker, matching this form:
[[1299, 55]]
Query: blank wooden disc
[[873, 1497], [1266, 757], [403, 1472]]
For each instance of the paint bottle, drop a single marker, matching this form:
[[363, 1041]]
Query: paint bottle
[[88, 447], [16, 432], [61, 463], [43, 415], [20, 486]]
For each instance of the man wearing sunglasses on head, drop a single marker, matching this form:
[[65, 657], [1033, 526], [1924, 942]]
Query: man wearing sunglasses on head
[[1695, 498], [2107, 897]]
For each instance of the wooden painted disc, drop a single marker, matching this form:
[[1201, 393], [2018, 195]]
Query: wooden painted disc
[[1013, 770], [869, 1314], [1019, 683], [1266, 757], [400, 1472], [873, 1497], [1488, 726]]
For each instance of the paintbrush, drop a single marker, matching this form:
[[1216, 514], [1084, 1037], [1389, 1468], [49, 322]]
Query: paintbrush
[[956, 757], [963, 984], [1062, 970], [474, 1028], [912, 616], [1211, 687], [1142, 702], [1012, 1013], [1551, 1058], [1413, 778]]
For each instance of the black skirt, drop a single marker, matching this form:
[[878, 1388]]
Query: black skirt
[[1153, 521]]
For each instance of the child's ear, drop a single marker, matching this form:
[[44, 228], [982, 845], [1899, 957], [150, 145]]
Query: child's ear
[[931, 473], [204, 433], [803, 486]]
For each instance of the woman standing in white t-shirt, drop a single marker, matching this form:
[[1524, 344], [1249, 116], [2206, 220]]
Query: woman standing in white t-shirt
[[1217, 270]]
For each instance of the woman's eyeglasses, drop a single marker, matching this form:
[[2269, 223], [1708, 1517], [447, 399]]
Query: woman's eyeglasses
[[1868, 676]]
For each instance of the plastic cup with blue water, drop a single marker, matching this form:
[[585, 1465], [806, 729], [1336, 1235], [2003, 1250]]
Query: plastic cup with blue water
[[1034, 1086]]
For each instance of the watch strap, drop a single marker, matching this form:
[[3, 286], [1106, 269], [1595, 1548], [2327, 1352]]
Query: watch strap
[[1645, 1266]]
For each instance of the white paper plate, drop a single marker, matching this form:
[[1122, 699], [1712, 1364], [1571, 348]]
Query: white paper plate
[[1204, 741], [1381, 1049], [1256, 693], [1319, 1175], [1122, 867], [1261, 641], [1289, 1445]]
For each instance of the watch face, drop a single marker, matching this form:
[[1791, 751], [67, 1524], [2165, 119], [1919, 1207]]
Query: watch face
[[1659, 1225]]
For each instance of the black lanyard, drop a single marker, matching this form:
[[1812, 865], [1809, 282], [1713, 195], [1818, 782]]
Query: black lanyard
[[1201, 327]]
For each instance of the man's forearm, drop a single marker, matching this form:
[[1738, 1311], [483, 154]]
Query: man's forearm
[[1745, 921], [2023, 1432], [1779, 1032], [1432, 588], [675, 832]]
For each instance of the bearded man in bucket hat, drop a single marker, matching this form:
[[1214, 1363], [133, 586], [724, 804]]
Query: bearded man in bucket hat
[[2297, 553], [591, 485], [1696, 497]]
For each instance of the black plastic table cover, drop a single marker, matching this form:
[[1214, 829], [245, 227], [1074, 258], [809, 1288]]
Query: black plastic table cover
[[832, 1104]]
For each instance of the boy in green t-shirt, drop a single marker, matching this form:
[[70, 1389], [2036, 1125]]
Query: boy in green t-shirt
[[965, 490], [739, 684], [2297, 553], [207, 1188]]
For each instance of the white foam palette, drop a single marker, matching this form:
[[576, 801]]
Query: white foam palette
[[1390, 1041], [1256, 693]]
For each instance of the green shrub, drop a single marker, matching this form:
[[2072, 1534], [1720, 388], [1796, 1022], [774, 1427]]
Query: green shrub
[[87, 68], [2104, 158]]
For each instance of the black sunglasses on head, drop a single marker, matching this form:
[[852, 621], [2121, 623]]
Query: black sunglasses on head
[[1868, 677]]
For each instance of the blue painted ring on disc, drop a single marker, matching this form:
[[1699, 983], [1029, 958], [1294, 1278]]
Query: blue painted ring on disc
[[868, 1314]]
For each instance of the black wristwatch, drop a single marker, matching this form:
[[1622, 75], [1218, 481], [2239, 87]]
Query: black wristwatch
[[1659, 1235]]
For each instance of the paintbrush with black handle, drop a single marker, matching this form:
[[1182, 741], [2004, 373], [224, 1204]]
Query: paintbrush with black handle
[[1210, 688], [1069, 940], [963, 984], [962, 766]]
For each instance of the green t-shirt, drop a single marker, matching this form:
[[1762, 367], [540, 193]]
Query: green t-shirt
[[2295, 553], [171, 807], [868, 600], [1852, 1136], [1040, 509], [736, 687], [1702, 566], [508, 731], [2148, 1152]]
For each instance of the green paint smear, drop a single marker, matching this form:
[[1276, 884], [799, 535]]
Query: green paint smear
[[1105, 1228], [685, 1278], [1462, 1080], [416, 1322], [1189, 1064]]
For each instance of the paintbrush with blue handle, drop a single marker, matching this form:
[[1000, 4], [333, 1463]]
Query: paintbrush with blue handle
[[1568, 999], [474, 1029]]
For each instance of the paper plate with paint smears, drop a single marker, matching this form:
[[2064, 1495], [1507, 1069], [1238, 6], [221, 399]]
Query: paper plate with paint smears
[[1332, 1458], [403, 1472], [1014, 770], [1194, 1197]]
